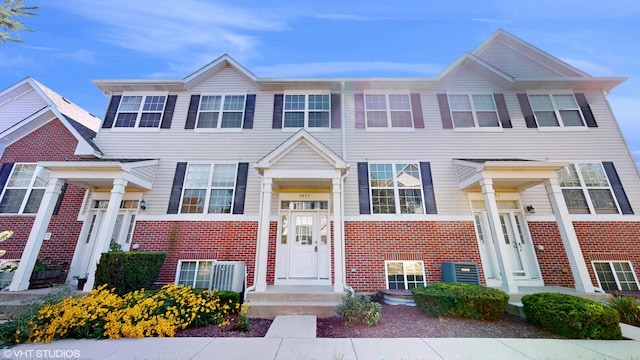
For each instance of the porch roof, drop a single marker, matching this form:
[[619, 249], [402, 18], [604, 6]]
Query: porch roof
[[139, 173], [506, 174]]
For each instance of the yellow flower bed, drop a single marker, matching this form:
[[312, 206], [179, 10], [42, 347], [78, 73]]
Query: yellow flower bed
[[103, 314]]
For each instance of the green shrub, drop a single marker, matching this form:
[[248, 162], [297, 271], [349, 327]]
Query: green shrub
[[572, 316], [355, 309], [628, 307], [461, 300], [128, 271]]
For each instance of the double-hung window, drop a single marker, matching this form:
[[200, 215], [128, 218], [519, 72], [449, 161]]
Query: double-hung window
[[615, 275], [473, 111], [556, 110], [142, 111], [307, 111], [404, 275], [208, 188], [388, 111], [24, 189], [587, 190], [396, 188], [221, 111]]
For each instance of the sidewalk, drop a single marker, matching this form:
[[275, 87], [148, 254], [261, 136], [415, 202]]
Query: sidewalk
[[323, 348]]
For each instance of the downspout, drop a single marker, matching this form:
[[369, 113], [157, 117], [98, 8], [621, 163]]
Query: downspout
[[255, 266], [342, 179]]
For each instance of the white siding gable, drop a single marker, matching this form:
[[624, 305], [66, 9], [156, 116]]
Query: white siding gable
[[514, 63], [18, 105]]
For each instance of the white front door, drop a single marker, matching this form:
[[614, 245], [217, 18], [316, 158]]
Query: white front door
[[520, 254], [120, 237], [303, 251]]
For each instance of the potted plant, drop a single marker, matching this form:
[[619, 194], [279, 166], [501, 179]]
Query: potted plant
[[82, 279]]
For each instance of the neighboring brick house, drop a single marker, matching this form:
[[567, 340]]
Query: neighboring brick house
[[36, 124], [509, 158]]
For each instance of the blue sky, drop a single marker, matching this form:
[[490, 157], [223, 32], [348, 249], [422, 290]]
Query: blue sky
[[76, 41]]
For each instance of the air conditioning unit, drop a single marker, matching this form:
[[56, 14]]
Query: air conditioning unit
[[228, 275], [460, 272]]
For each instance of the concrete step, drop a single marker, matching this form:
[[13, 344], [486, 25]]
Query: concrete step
[[320, 301], [293, 326], [270, 310]]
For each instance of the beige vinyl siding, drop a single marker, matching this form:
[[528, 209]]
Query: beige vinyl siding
[[25, 102], [515, 63], [303, 158]]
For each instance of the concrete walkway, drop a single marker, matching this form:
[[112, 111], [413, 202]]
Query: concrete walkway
[[332, 349]]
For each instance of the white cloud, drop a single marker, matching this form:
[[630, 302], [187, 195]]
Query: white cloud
[[590, 68], [174, 29], [346, 67]]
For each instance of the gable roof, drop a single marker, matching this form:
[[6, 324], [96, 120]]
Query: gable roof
[[561, 74], [47, 105]]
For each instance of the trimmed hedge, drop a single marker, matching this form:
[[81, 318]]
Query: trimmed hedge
[[128, 271], [461, 300], [572, 316]]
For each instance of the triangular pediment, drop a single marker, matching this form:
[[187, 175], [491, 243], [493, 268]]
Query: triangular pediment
[[302, 151], [224, 62]]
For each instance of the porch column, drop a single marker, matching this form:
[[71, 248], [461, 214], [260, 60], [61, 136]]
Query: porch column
[[263, 235], [508, 282], [569, 238], [103, 240], [36, 236], [338, 237]]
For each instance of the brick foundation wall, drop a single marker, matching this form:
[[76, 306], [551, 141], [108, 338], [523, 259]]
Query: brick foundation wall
[[51, 142], [367, 243], [221, 240]]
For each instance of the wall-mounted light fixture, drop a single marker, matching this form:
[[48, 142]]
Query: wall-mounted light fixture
[[531, 209], [143, 205]]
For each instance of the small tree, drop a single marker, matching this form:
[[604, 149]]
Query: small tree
[[8, 12]]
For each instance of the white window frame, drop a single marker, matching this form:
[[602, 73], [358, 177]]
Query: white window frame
[[208, 188], [615, 273], [585, 189], [28, 189], [396, 188], [306, 110], [388, 110], [221, 111], [140, 111], [195, 273], [404, 273], [474, 111], [557, 110]]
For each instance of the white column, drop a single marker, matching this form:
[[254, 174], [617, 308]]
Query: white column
[[569, 238], [338, 237], [36, 236], [263, 235], [489, 194], [103, 240]]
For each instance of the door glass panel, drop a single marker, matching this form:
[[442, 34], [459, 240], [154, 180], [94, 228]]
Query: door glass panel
[[304, 230], [116, 229], [323, 229], [91, 227], [479, 228], [285, 229], [505, 230]]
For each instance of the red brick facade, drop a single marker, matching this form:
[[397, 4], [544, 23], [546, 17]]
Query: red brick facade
[[51, 142]]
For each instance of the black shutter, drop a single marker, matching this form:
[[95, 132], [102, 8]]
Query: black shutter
[[167, 116], [241, 188], [445, 111], [278, 102], [503, 113], [249, 110], [586, 110], [416, 110], [363, 188], [618, 189], [111, 111], [193, 112], [427, 188], [529, 119], [63, 189], [336, 111], [359, 108], [176, 189], [4, 174]]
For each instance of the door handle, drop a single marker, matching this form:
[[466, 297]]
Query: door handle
[[315, 249]]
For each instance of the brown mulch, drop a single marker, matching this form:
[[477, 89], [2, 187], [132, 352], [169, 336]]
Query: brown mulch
[[397, 321]]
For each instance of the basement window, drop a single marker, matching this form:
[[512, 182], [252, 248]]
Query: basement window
[[195, 274], [404, 275], [615, 275]]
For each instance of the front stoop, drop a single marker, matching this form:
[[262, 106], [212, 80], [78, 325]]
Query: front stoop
[[320, 301]]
